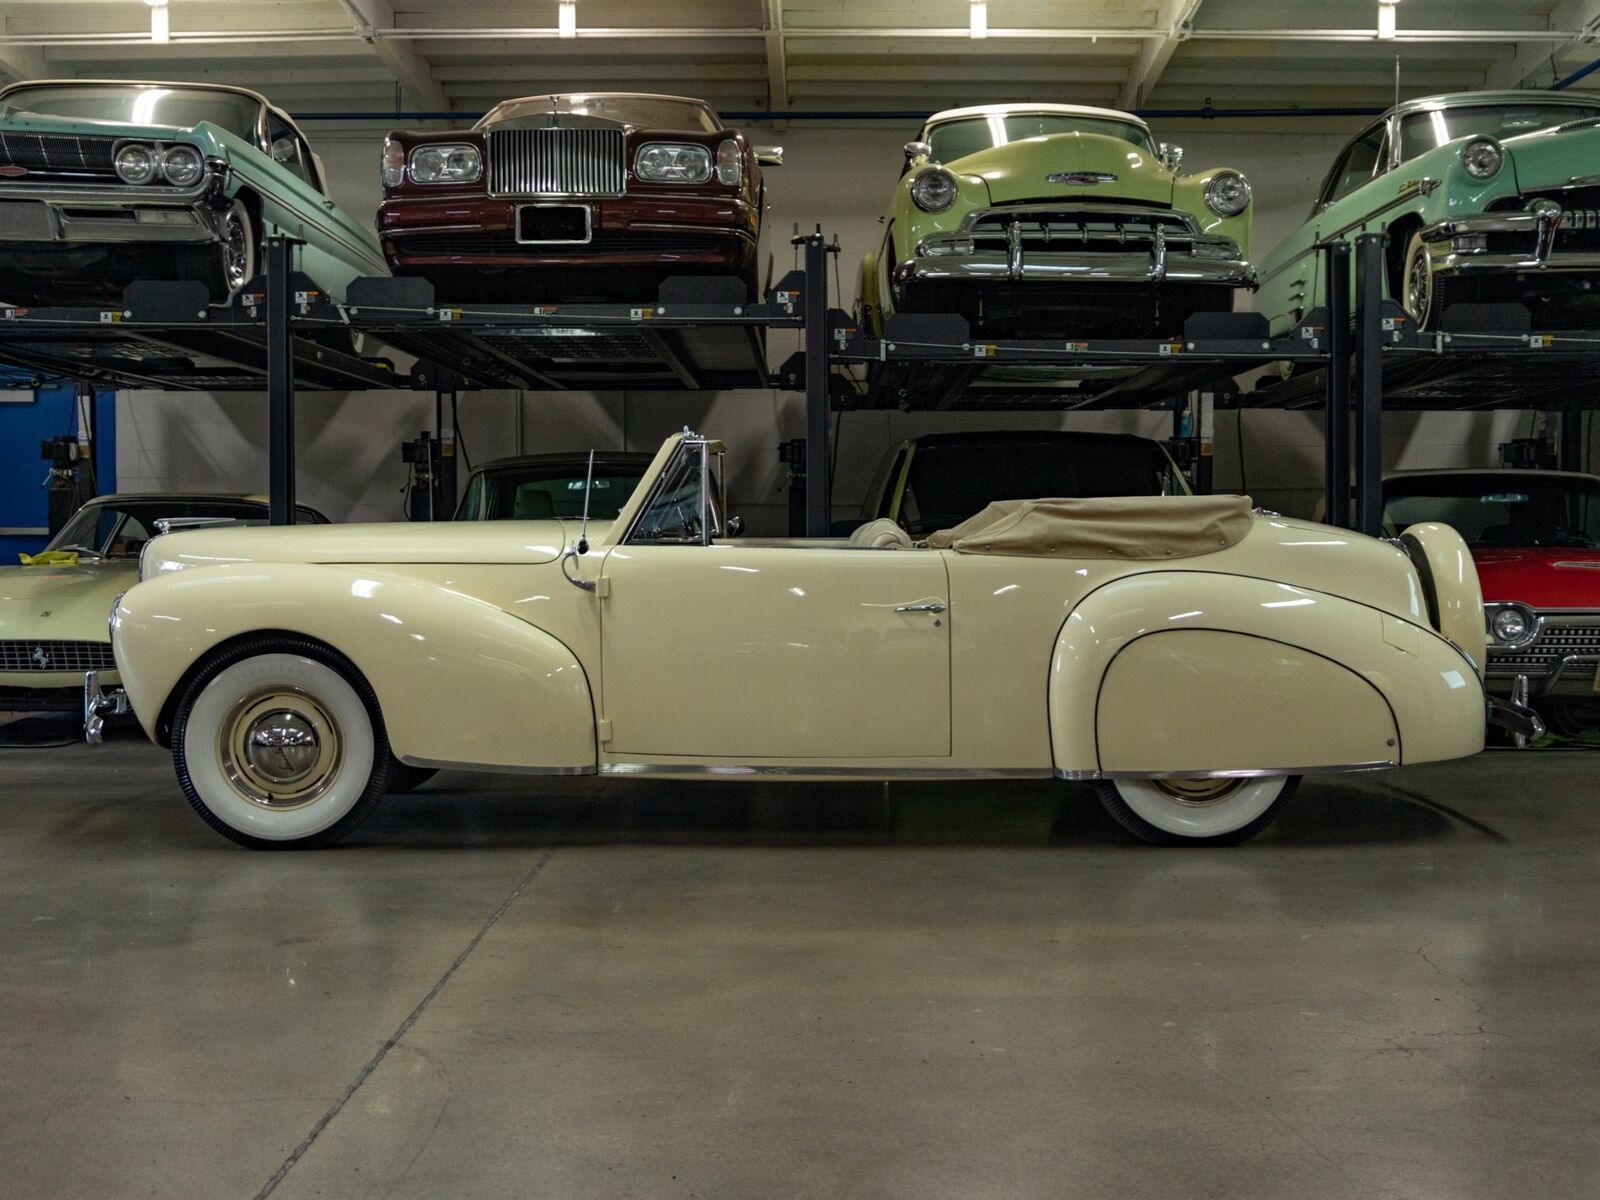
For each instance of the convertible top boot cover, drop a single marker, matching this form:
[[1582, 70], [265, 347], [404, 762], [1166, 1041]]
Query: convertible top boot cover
[[1131, 527]]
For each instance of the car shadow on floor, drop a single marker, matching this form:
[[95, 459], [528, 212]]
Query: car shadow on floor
[[457, 810]]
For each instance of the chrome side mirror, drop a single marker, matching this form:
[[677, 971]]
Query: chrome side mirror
[[1171, 157], [769, 156], [918, 150]]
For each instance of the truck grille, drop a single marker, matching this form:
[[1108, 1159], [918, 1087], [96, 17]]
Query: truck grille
[[49, 156], [1080, 228], [1557, 640], [557, 162], [56, 656]]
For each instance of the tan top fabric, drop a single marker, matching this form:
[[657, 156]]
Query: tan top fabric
[[1131, 527]]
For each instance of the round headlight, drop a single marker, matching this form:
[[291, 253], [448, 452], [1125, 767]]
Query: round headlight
[[446, 164], [934, 190], [1510, 624], [183, 166], [1227, 193], [1482, 158], [136, 163]]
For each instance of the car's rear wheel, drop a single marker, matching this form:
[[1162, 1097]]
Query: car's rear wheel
[[279, 744], [1195, 811]]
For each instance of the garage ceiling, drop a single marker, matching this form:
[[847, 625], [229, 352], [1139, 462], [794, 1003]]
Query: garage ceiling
[[809, 56]]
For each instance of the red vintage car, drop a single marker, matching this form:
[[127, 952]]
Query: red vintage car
[[577, 197], [1535, 536]]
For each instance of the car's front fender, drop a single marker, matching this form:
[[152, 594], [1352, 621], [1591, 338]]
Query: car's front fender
[[1285, 679], [458, 680]]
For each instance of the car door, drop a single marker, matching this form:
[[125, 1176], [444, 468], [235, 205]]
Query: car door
[[721, 649], [1351, 204]]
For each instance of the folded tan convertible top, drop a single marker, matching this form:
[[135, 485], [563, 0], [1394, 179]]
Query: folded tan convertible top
[[1123, 527]]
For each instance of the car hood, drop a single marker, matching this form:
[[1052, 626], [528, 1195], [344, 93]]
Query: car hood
[[440, 542], [1020, 170], [1552, 158], [1542, 577], [61, 604]]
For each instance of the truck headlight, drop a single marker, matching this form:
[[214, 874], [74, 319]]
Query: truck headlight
[[182, 166], [934, 189], [1227, 193], [137, 163], [672, 162], [446, 164], [1482, 158]]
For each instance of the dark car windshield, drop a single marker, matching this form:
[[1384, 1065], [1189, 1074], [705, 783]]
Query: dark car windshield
[[646, 112], [138, 105], [542, 491], [119, 529], [1424, 131], [1504, 510], [949, 483], [968, 135]]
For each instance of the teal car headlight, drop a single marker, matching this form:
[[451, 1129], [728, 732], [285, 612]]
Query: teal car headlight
[[672, 162], [454, 163], [137, 163], [182, 165], [934, 190], [1227, 193], [1482, 158]]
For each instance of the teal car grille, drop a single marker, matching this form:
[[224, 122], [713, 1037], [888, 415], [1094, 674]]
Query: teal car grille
[[64, 157]]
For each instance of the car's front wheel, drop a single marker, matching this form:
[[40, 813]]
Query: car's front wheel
[[1420, 285], [235, 263], [279, 744], [1195, 812]]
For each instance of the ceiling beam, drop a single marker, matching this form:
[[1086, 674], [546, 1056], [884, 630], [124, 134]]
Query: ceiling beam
[[19, 62], [1581, 15], [777, 64], [1174, 23], [373, 18]]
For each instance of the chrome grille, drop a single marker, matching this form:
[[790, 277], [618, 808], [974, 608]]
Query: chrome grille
[[557, 162], [51, 156], [56, 656], [1558, 639], [1085, 228], [1580, 218]]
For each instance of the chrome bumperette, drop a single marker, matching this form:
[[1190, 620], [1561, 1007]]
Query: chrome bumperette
[[560, 163], [98, 704]]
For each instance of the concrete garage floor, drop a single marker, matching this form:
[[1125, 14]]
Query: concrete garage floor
[[585, 989]]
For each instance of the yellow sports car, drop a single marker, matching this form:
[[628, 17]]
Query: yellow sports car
[[53, 612]]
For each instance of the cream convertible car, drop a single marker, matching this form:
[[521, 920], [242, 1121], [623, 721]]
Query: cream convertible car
[[1188, 655]]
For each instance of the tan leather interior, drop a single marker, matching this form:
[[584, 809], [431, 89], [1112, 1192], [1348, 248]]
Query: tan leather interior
[[882, 534]]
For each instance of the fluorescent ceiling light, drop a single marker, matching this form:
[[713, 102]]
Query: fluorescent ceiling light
[[567, 17], [1386, 15], [160, 21], [979, 27]]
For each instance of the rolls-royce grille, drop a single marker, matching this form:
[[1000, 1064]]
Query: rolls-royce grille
[[1091, 229], [1554, 643], [557, 162], [56, 656], [44, 157]]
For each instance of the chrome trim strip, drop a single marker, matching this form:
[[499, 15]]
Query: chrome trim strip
[[735, 770], [1241, 773], [439, 764]]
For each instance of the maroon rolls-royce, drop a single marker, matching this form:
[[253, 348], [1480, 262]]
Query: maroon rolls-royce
[[572, 198]]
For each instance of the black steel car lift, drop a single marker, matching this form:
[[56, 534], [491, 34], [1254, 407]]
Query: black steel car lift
[[282, 333]]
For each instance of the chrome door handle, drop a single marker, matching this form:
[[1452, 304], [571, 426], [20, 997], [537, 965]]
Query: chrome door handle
[[931, 606]]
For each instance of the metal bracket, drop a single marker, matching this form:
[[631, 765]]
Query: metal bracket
[[98, 705]]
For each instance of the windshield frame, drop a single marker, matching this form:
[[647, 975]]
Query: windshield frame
[[1398, 123], [130, 89], [511, 113], [1145, 142]]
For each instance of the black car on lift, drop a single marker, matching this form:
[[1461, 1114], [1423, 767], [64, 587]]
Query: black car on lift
[[939, 480]]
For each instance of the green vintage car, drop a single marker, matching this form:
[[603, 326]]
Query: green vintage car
[[107, 182], [1485, 196], [1044, 220]]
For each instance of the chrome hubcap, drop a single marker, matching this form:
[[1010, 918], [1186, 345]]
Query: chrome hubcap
[[234, 253], [1198, 791], [1419, 287], [280, 748]]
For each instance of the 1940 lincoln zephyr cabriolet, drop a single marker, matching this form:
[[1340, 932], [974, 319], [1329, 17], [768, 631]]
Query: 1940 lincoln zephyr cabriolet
[[1188, 655]]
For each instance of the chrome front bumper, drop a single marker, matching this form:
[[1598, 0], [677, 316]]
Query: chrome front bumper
[[947, 256], [81, 216], [1453, 245]]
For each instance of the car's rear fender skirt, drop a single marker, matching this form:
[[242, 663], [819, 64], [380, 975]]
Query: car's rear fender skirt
[[458, 680], [1171, 672]]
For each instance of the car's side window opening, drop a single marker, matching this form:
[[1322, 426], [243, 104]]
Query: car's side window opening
[[686, 505]]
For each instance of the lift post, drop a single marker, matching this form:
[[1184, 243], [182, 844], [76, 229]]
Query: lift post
[[444, 407], [1336, 433], [1369, 383], [819, 479], [280, 385]]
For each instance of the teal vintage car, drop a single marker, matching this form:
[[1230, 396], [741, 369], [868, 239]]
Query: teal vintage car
[[1485, 197], [107, 182], [1043, 220]]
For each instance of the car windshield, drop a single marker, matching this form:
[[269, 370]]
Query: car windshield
[[1506, 510], [957, 139], [138, 105], [949, 483], [119, 529], [1424, 131], [646, 112], [541, 491]]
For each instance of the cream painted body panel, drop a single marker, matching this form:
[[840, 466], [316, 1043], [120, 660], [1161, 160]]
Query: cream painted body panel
[[777, 653], [459, 681], [1460, 593], [520, 543], [60, 604]]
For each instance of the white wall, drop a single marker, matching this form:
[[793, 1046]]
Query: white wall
[[839, 177]]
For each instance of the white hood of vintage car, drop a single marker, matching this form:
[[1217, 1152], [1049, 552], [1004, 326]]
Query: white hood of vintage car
[[525, 542]]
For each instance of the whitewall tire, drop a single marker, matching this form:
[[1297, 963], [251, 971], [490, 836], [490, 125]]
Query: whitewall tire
[[279, 744], [1195, 812], [1419, 294]]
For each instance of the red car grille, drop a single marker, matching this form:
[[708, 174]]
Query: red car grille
[[1556, 641], [50, 157], [557, 162], [56, 656]]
